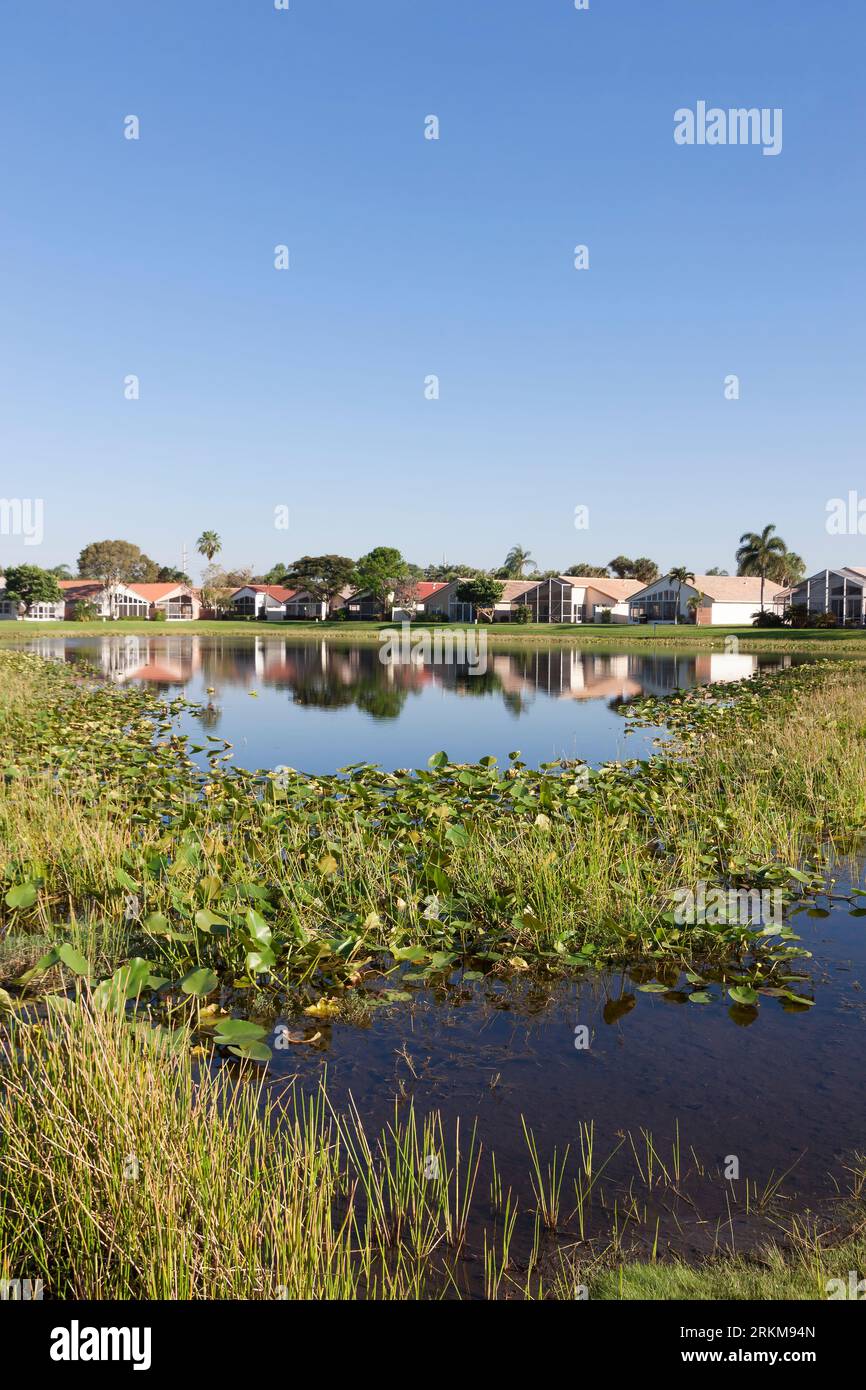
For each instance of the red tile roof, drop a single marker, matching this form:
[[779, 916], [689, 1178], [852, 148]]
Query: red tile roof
[[275, 591], [428, 587], [154, 592]]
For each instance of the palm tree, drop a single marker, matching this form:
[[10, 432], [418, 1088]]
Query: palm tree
[[516, 561], [759, 553], [788, 570], [682, 576], [694, 603], [209, 545]]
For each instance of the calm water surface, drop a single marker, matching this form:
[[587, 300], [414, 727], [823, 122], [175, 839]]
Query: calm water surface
[[319, 706]]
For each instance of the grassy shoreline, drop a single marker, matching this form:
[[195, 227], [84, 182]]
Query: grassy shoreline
[[686, 638]]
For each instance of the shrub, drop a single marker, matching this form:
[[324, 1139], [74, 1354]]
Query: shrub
[[767, 619], [84, 612], [522, 613]]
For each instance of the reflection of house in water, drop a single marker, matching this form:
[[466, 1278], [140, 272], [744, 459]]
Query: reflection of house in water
[[156, 660], [566, 674]]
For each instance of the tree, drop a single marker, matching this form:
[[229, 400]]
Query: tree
[[406, 593], [715, 570], [209, 545], [444, 573], [482, 592], [516, 561], [61, 571], [788, 570], [168, 575], [694, 603], [380, 572], [587, 571], [116, 562], [644, 569], [275, 575], [30, 584], [682, 576], [218, 584], [323, 576], [758, 552], [622, 567]]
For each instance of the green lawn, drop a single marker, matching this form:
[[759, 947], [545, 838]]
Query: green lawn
[[610, 637]]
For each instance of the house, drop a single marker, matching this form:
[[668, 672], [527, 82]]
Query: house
[[721, 600], [572, 598], [365, 604], [841, 592], [445, 601], [306, 606], [142, 601], [425, 590], [178, 602], [262, 601], [566, 598]]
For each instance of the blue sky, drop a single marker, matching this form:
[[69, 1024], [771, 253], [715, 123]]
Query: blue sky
[[558, 388]]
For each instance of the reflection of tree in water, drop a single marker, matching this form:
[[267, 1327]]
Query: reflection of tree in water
[[320, 693], [515, 703], [368, 693], [381, 701], [466, 683]]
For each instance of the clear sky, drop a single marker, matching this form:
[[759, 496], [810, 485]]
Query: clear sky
[[411, 257]]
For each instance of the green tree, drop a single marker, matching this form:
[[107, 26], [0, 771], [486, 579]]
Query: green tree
[[380, 572], [789, 569], [516, 561], [116, 562], [644, 569], [587, 571], [323, 576], [622, 567], [715, 570], [682, 576], [694, 603], [758, 553], [482, 591], [30, 584], [209, 545]]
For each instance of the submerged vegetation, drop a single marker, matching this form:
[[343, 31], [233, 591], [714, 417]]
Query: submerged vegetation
[[153, 910]]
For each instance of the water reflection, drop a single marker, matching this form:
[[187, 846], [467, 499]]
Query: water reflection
[[329, 675], [323, 704]]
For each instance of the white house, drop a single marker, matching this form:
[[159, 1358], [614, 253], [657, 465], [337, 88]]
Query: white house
[[276, 604], [722, 600], [266, 601]]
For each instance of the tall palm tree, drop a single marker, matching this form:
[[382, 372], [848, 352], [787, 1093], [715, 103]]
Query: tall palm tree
[[209, 545], [516, 561], [682, 576], [758, 553]]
